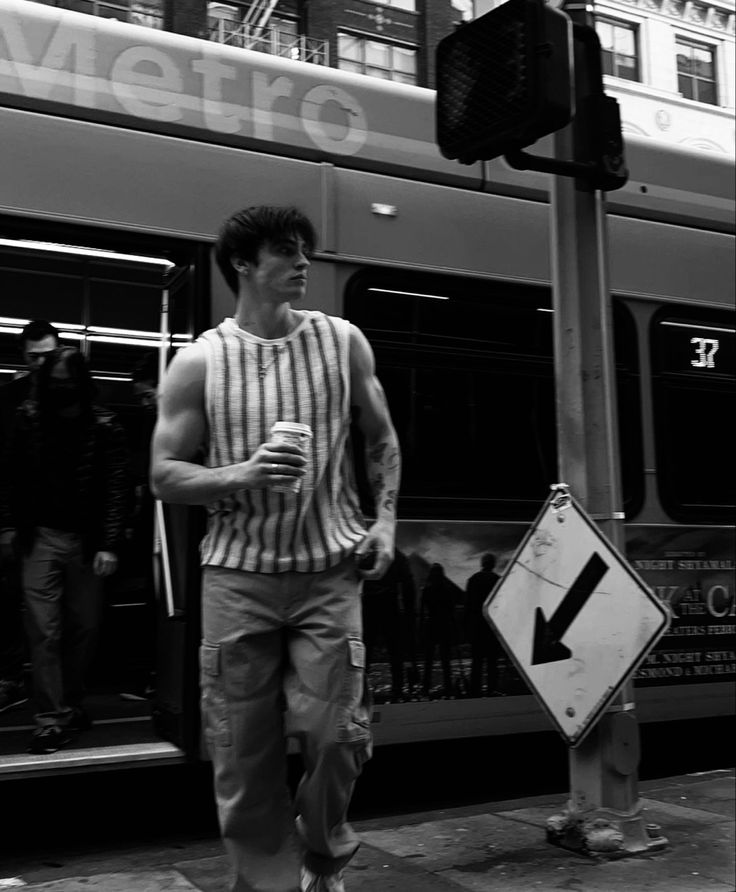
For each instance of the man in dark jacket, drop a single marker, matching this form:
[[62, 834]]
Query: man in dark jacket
[[62, 506], [35, 341]]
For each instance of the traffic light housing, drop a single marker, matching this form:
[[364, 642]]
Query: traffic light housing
[[504, 80]]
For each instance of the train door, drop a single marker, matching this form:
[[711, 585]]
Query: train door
[[127, 303], [177, 531]]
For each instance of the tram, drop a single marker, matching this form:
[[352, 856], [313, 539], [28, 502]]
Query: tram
[[124, 148]]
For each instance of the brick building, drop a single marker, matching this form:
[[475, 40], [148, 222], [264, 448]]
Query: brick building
[[670, 63], [394, 40]]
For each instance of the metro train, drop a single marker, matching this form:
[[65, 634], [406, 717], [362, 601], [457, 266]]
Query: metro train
[[124, 148]]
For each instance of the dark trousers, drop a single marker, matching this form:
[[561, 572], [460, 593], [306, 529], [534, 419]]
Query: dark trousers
[[63, 600], [12, 640]]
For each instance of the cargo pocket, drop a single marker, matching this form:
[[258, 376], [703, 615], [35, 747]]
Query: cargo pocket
[[214, 703], [354, 713]]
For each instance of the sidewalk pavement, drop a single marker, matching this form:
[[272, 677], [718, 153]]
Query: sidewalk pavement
[[496, 847]]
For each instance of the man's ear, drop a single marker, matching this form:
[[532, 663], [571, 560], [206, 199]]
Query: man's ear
[[240, 265]]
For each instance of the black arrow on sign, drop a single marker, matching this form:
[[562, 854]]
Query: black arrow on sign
[[547, 646]]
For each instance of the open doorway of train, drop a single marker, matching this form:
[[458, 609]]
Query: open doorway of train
[[127, 302]]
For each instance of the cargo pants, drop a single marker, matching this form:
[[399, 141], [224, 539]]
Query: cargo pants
[[282, 656]]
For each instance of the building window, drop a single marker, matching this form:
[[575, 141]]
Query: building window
[[620, 52], [696, 72], [285, 36], [376, 58], [274, 34], [223, 20], [149, 13], [409, 5]]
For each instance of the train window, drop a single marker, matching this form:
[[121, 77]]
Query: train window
[[467, 370], [102, 294], [693, 390], [128, 299], [468, 373]]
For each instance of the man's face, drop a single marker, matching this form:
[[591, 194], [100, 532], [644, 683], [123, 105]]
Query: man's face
[[34, 352], [146, 394], [281, 270]]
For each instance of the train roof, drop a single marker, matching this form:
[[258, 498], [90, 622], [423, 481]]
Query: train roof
[[84, 67]]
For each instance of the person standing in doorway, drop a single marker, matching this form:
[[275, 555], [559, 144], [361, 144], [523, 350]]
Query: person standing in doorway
[[63, 509], [285, 550], [36, 341]]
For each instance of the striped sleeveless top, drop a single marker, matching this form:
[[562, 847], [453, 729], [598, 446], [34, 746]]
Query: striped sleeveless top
[[250, 384]]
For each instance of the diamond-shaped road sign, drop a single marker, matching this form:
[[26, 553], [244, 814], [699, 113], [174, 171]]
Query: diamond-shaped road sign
[[574, 617]]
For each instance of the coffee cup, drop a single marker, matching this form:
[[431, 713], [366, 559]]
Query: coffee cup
[[299, 435]]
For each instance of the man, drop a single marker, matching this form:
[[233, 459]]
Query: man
[[282, 652], [63, 510], [36, 340], [484, 646], [145, 383]]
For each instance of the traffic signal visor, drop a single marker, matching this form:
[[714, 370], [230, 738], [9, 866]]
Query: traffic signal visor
[[504, 80]]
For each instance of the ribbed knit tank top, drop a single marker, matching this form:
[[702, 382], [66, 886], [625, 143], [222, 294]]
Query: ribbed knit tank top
[[250, 384]]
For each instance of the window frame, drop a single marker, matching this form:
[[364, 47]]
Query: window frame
[[693, 43], [391, 4], [128, 14], [634, 27], [669, 388], [519, 353], [364, 39]]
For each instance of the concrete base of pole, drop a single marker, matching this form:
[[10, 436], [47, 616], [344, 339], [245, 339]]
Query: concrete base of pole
[[604, 833], [603, 817]]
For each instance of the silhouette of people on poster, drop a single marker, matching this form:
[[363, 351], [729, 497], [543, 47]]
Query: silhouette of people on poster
[[389, 615], [439, 597], [485, 648]]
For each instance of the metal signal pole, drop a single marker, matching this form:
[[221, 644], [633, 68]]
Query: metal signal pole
[[604, 812]]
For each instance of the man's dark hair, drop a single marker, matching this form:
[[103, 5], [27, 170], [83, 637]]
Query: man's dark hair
[[488, 561], [247, 231], [36, 331]]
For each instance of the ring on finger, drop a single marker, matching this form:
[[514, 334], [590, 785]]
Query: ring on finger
[[274, 468]]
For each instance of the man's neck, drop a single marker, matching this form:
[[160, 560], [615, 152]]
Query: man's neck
[[267, 321]]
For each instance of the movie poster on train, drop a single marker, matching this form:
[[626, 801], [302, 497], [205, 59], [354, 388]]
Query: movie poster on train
[[692, 570]]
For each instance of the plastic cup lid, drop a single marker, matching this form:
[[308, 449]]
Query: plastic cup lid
[[293, 426]]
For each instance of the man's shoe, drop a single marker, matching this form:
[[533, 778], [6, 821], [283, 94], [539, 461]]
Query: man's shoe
[[12, 693], [319, 882], [48, 739]]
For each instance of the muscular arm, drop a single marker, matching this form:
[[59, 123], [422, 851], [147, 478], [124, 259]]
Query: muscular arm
[[383, 459], [181, 430]]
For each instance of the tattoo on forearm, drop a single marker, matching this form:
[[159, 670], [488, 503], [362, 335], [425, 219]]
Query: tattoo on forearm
[[376, 454], [383, 471]]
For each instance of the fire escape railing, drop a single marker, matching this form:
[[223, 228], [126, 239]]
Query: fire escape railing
[[275, 41]]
